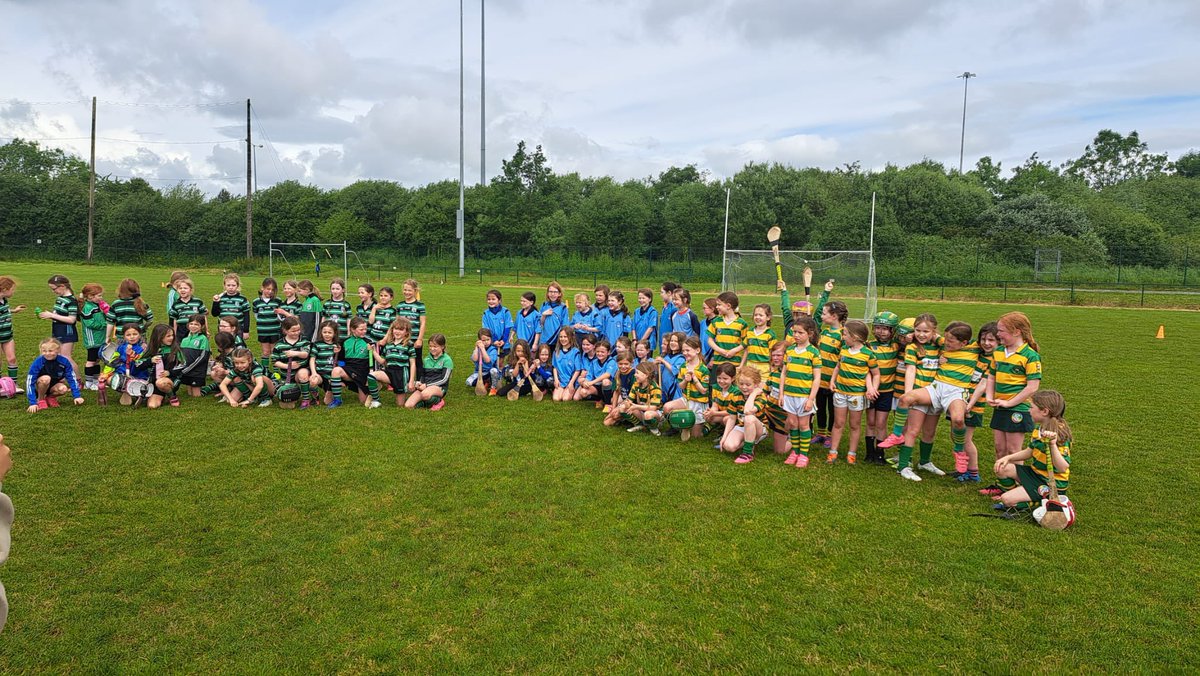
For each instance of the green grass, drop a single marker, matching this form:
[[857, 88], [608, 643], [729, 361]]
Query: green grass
[[523, 536]]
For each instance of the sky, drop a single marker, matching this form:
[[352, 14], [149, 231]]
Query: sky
[[369, 89]]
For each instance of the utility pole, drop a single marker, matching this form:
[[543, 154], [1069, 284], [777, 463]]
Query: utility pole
[[966, 77], [460, 224], [249, 185], [482, 104], [92, 187]]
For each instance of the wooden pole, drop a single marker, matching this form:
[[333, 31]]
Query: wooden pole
[[249, 191], [92, 187]]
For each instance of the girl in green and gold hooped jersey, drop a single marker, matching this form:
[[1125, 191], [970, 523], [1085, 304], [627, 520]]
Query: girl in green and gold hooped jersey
[[1025, 473], [1016, 373], [921, 360], [987, 340], [886, 347]]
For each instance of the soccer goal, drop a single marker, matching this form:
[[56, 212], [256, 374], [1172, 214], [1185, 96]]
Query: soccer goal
[[853, 272], [300, 259]]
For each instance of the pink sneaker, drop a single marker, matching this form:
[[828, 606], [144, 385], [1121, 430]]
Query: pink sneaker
[[175, 402], [892, 440], [802, 461], [743, 459], [52, 402], [792, 458], [303, 404], [438, 406], [960, 462], [827, 442]]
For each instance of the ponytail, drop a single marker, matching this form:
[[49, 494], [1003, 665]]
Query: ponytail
[[1017, 322]]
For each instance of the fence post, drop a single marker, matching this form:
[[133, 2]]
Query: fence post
[[481, 276], [443, 274], [1143, 303], [1006, 290], [943, 292], [595, 280], [1186, 250], [1072, 293]]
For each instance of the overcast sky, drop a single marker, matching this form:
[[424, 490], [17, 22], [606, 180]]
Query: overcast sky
[[369, 88]]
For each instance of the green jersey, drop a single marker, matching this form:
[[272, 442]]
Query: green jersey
[[194, 341], [324, 356], [182, 311], [66, 306], [398, 354], [383, 319], [338, 311], [235, 305], [413, 311], [94, 325], [266, 319], [124, 311], [293, 306], [355, 348], [249, 376], [6, 329], [301, 345]]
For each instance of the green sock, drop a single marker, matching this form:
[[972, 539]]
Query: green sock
[[373, 387], [905, 457], [899, 421], [1023, 505], [265, 362], [748, 447], [303, 390], [1007, 484], [210, 388], [335, 385], [805, 441], [12, 371], [794, 435], [926, 452], [959, 436]]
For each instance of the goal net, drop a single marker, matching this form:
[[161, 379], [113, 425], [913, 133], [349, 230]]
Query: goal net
[[300, 260], [853, 272]]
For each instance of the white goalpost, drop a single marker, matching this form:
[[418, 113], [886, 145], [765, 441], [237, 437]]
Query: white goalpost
[[308, 256], [753, 271]]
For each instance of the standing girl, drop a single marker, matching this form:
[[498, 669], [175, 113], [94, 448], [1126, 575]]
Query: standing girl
[[128, 308], [922, 358], [412, 309], [8, 285], [366, 302], [527, 319], [801, 377], [232, 302], [267, 320], [291, 302], [196, 355], [337, 307], [832, 315], [566, 366], [759, 341], [645, 318], [94, 328], [64, 316], [618, 323], [311, 310], [382, 315], [184, 307], [1016, 374], [498, 321], [583, 322], [886, 349], [670, 362], [554, 314], [855, 384], [968, 467]]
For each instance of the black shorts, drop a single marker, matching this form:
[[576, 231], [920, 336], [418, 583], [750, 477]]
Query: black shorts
[[93, 354], [65, 333], [883, 402], [268, 340], [1008, 420], [326, 380], [397, 378], [356, 376]]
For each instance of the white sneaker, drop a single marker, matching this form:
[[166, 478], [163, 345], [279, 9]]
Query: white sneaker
[[221, 399], [264, 403], [18, 391], [655, 431], [374, 404], [909, 474], [636, 428], [685, 434], [931, 468]]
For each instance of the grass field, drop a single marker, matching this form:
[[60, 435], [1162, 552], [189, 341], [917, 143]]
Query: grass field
[[497, 536]]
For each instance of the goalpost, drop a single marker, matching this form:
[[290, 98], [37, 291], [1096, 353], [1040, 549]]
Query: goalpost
[[753, 271], [307, 256]]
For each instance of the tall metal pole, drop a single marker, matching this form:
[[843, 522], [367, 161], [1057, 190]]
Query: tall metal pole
[[482, 104], [92, 187], [966, 77], [249, 185], [725, 246], [460, 225]]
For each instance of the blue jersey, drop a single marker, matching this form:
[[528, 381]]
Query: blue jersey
[[706, 350], [500, 322], [616, 326], [643, 321], [670, 377], [603, 316], [128, 361], [527, 325], [586, 318], [597, 368], [685, 322], [553, 322], [492, 354], [59, 369], [565, 365], [664, 324]]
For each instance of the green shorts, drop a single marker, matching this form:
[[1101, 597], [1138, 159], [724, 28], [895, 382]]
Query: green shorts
[[974, 419], [1033, 482], [1008, 420]]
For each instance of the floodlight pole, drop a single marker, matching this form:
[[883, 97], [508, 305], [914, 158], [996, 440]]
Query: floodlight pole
[[482, 104], [249, 185], [725, 246], [966, 77], [460, 224]]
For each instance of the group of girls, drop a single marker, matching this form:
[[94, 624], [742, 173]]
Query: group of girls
[[320, 346]]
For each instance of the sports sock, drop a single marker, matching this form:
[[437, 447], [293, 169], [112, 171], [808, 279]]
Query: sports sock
[[210, 389], [959, 436], [90, 371], [905, 456], [801, 440], [1006, 483], [12, 371], [748, 447], [899, 421], [303, 391], [265, 362], [871, 447], [373, 387], [926, 452], [335, 386]]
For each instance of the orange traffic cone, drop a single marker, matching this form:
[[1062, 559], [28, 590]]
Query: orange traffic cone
[[1160, 335]]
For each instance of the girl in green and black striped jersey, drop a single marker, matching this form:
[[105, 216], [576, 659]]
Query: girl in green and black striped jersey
[[291, 303], [232, 302], [7, 286], [355, 370], [366, 298], [291, 354], [184, 307], [163, 359], [311, 309], [266, 318], [94, 328], [412, 309], [223, 363], [196, 353], [382, 315], [233, 326], [395, 354], [322, 359], [172, 292], [64, 315], [337, 307], [128, 308]]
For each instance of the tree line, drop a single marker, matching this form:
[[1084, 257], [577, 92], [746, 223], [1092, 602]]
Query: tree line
[[1116, 203]]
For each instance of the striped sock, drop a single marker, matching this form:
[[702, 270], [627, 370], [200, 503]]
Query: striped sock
[[959, 436], [12, 371], [373, 387], [926, 452], [303, 391], [805, 441], [210, 388], [905, 456], [265, 362], [335, 385], [899, 421], [748, 447], [794, 435], [1007, 484]]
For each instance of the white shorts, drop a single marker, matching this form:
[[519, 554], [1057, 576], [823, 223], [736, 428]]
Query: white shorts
[[762, 434], [795, 406], [942, 394], [854, 402], [697, 408]]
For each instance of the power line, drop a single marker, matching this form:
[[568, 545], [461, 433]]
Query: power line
[[45, 140], [147, 104], [47, 103], [276, 159], [180, 180], [168, 143]]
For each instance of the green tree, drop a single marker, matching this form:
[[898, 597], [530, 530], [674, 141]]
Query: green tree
[[613, 215], [1188, 164], [289, 212], [428, 217], [987, 172], [374, 203], [688, 216], [1016, 227], [1111, 158], [343, 226]]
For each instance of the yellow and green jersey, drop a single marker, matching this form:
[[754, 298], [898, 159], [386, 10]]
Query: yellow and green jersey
[[1040, 460], [829, 345], [1014, 371], [727, 335], [759, 344], [730, 401], [982, 366], [958, 366], [798, 369], [853, 367], [648, 395], [924, 360], [695, 389], [886, 356]]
